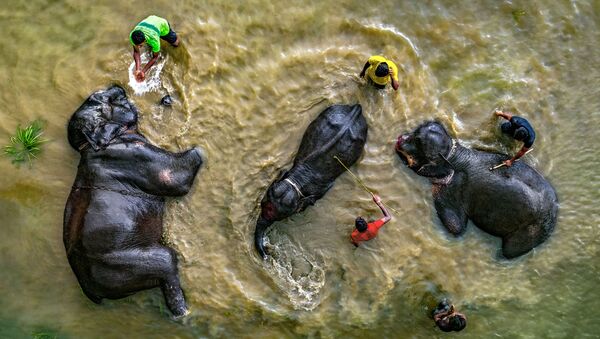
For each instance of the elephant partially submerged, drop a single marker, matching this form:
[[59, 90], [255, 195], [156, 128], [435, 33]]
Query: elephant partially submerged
[[114, 214], [514, 203], [340, 131]]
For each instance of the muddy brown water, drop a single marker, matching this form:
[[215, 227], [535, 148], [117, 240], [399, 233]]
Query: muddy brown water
[[246, 81]]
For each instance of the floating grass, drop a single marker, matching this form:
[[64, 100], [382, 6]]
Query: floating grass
[[26, 144]]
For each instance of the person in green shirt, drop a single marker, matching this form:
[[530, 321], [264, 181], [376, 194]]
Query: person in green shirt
[[150, 31], [380, 71]]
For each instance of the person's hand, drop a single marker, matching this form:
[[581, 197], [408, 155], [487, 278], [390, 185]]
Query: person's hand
[[391, 72], [376, 198], [139, 75], [498, 112], [508, 163]]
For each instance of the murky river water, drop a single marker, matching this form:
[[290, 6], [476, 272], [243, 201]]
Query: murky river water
[[247, 79]]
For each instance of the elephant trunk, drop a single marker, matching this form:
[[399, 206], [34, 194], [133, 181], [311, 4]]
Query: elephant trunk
[[261, 226]]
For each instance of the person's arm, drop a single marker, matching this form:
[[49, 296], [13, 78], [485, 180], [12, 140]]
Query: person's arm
[[362, 73], [505, 115], [151, 62], [136, 58], [386, 215], [521, 153], [393, 76], [137, 72]]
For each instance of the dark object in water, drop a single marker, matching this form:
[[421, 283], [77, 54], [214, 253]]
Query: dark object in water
[[447, 318], [113, 220], [167, 100], [340, 130]]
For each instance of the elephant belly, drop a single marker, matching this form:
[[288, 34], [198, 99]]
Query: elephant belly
[[501, 205], [115, 221]]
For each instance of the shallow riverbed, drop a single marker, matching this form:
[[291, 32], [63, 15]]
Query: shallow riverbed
[[247, 80]]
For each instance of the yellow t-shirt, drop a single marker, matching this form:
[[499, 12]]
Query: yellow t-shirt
[[374, 62]]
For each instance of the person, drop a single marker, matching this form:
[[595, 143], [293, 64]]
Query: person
[[150, 31], [447, 318], [380, 71], [366, 231], [519, 129]]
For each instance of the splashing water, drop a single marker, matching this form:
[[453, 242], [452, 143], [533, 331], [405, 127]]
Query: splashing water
[[298, 274], [152, 81]]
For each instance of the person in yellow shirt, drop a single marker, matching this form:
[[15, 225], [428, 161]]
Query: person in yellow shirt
[[380, 71]]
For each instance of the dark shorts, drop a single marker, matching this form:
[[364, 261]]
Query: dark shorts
[[171, 37]]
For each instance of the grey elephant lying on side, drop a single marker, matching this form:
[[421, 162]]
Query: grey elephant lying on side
[[114, 214], [515, 203]]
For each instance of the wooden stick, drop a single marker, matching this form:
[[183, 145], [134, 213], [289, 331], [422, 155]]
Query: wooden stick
[[362, 183], [503, 164]]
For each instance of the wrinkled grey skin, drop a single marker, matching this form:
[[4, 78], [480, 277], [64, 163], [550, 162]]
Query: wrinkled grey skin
[[339, 130], [114, 214], [514, 203]]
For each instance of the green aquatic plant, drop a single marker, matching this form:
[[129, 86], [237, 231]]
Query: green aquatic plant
[[43, 335], [26, 144]]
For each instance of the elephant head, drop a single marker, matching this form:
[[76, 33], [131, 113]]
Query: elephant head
[[426, 150], [104, 116], [283, 198]]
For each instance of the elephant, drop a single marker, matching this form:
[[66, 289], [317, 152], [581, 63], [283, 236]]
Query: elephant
[[514, 203], [114, 213], [340, 130]]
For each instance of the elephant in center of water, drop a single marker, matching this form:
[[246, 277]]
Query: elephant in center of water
[[340, 130]]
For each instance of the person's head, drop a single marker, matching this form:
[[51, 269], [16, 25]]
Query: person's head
[[506, 128], [137, 37], [457, 322], [361, 224], [521, 134], [382, 70]]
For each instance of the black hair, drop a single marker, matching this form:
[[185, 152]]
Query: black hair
[[361, 224], [382, 70], [457, 323], [506, 128], [521, 133], [138, 37]]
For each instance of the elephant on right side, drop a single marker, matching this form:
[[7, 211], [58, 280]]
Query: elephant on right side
[[514, 203]]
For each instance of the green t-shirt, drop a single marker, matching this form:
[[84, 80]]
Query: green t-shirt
[[153, 28]]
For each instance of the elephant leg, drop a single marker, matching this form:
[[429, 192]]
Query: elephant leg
[[453, 218], [125, 272], [522, 241]]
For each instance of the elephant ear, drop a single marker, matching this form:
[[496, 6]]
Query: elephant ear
[[102, 135], [435, 170]]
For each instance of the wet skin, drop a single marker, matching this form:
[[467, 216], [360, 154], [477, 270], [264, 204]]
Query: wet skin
[[114, 214], [338, 131], [514, 203]]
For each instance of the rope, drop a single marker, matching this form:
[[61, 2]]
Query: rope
[[362, 183]]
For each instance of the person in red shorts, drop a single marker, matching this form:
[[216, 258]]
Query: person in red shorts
[[364, 231]]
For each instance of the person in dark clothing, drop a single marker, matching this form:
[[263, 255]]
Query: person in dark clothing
[[519, 129], [447, 318]]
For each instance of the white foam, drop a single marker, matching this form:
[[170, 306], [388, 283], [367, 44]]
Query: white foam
[[152, 81], [303, 288]]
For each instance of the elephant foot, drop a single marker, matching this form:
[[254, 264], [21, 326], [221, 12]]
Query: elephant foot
[[175, 300]]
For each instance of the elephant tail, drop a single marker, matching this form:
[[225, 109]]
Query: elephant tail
[[259, 235]]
